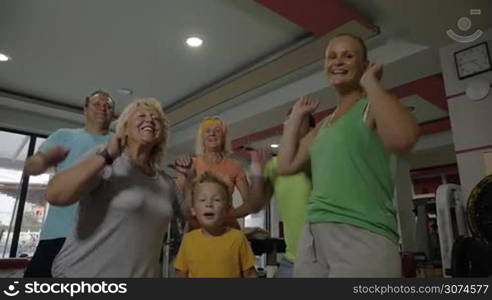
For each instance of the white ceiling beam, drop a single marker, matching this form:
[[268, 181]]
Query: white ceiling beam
[[17, 103]]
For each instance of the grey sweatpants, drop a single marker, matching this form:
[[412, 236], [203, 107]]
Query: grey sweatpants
[[341, 250]]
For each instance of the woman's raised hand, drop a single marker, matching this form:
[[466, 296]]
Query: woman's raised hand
[[115, 146], [305, 105], [185, 166], [372, 76], [259, 159]]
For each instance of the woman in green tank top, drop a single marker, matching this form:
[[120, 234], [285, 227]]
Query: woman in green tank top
[[352, 227]]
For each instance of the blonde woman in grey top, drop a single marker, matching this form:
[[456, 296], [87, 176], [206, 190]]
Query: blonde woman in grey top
[[124, 201]]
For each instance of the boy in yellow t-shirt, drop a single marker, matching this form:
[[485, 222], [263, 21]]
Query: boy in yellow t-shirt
[[213, 250]]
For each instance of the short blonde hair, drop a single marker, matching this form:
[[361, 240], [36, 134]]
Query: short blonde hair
[[226, 145], [157, 154], [209, 177], [358, 39]]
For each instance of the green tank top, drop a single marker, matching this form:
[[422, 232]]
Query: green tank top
[[352, 177], [291, 194]]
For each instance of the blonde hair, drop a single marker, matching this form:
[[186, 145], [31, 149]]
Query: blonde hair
[[209, 177], [157, 153], [226, 144], [357, 38]]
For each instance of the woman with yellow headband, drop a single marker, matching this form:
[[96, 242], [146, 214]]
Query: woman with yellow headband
[[212, 148]]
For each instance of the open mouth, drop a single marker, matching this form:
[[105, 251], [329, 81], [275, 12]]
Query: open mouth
[[148, 129], [209, 215], [339, 72]]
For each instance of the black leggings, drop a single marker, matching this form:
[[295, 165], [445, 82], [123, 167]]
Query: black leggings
[[40, 265]]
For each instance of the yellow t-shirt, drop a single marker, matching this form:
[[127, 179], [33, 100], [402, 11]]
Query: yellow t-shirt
[[225, 256]]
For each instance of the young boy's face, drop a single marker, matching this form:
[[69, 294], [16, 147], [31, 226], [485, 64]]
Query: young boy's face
[[210, 204]]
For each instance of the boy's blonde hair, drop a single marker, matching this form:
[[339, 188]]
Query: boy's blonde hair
[[209, 177]]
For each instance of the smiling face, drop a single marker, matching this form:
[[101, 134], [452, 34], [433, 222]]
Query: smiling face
[[144, 126], [210, 204], [345, 61], [99, 110], [213, 137]]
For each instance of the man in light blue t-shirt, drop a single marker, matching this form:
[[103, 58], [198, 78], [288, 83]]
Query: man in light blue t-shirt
[[61, 150]]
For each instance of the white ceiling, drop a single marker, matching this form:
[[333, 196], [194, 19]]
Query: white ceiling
[[62, 50]]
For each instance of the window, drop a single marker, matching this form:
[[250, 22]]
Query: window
[[35, 211], [19, 233], [11, 165]]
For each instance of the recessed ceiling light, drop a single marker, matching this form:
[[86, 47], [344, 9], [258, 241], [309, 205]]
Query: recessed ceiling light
[[194, 41], [4, 57], [124, 91], [274, 145]]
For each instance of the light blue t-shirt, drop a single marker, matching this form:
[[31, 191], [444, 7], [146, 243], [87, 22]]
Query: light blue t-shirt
[[61, 219]]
